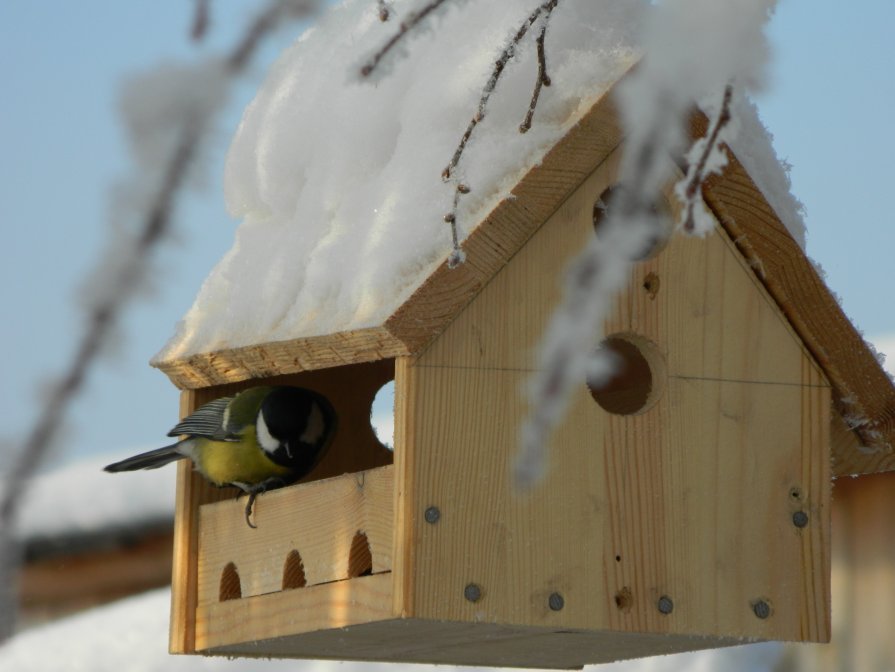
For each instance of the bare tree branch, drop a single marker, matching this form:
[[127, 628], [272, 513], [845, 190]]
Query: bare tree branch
[[200, 20]]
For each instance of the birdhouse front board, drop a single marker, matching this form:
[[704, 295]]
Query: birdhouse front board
[[685, 505]]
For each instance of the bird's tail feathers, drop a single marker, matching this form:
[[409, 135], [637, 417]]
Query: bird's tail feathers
[[150, 460]]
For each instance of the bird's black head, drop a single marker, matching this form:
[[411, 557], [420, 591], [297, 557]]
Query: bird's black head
[[301, 424]]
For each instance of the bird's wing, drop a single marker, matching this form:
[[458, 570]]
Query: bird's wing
[[207, 421]]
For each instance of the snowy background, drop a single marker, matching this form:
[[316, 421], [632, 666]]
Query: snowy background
[[828, 104]]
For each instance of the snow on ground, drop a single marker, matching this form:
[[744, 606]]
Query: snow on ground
[[131, 635], [82, 498]]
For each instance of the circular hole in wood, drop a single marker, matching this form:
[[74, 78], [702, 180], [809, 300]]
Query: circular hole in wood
[[230, 588], [638, 377], [360, 557], [294, 571], [657, 216], [382, 415], [651, 284]]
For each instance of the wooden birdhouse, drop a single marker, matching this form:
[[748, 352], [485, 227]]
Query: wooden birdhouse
[[686, 505]]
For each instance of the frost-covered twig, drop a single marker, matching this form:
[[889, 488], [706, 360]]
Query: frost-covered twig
[[457, 255], [124, 283], [404, 28], [383, 11], [543, 78], [711, 160], [499, 65]]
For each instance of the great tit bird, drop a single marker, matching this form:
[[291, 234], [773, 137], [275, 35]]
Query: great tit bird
[[257, 440]]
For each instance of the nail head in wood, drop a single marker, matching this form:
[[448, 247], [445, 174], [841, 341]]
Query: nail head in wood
[[665, 605], [800, 519], [472, 592], [761, 609], [432, 515], [556, 601]]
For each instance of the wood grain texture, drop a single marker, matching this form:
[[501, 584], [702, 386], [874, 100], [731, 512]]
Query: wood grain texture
[[251, 620], [473, 644], [318, 519], [674, 501], [265, 360], [862, 392]]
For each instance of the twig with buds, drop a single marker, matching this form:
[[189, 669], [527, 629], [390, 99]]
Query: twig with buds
[[407, 25]]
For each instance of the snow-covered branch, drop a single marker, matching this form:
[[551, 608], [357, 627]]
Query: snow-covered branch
[[383, 10], [691, 48], [709, 159], [542, 13], [166, 168], [508, 52]]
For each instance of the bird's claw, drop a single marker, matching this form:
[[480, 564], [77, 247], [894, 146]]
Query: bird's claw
[[248, 510]]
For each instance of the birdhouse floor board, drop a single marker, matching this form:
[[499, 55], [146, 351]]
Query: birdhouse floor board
[[247, 621], [491, 644]]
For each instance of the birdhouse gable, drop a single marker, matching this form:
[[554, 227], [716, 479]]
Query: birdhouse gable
[[656, 486]]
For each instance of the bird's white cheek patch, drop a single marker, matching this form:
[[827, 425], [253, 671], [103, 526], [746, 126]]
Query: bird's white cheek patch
[[268, 443], [315, 427]]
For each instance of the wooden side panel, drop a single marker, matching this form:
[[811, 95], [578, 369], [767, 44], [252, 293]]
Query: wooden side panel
[[319, 520], [692, 500]]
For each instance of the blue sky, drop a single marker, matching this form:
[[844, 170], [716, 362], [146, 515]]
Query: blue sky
[[830, 96]]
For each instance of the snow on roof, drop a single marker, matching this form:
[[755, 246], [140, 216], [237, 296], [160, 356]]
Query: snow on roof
[[132, 635], [83, 499], [338, 181]]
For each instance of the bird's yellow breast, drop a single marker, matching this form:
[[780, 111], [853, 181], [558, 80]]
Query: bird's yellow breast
[[223, 462]]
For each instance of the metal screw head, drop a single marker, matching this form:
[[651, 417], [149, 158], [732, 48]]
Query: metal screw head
[[556, 601], [665, 605], [800, 519], [472, 592], [761, 609], [432, 515]]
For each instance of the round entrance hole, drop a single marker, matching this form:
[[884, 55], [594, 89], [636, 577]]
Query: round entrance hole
[[638, 378], [382, 415]]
